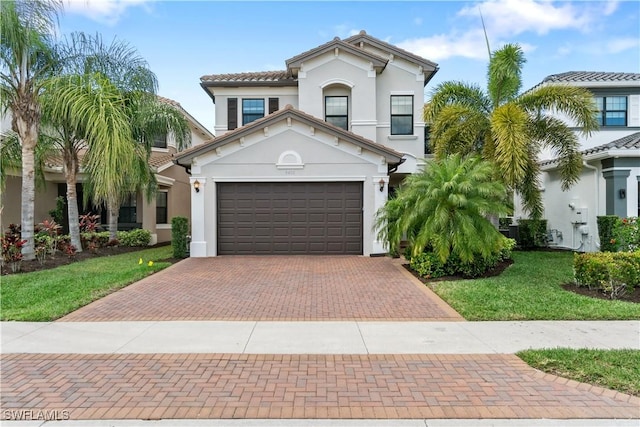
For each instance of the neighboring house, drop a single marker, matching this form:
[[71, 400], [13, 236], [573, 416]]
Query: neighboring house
[[611, 173], [172, 199], [304, 157]]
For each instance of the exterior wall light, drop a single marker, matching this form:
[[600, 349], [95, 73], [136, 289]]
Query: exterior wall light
[[381, 182], [196, 186]]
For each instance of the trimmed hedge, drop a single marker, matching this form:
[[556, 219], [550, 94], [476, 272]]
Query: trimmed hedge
[[133, 238], [606, 227], [613, 272], [179, 231], [532, 233]]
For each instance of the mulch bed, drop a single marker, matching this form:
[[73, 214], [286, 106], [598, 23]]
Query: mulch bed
[[633, 296], [62, 259]]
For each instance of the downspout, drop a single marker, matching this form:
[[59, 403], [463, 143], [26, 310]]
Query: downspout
[[595, 175]]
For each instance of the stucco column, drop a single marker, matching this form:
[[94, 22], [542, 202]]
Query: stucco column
[[149, 218], [380, 198], [198, 247], [616, 182]]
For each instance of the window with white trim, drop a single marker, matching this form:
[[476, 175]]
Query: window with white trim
[[401, 114]]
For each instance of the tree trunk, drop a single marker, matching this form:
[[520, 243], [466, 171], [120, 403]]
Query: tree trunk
[[112, 212], [27, 131], [72, 205]]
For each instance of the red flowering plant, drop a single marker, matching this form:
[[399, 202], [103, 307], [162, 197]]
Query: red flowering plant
[[12, 244]]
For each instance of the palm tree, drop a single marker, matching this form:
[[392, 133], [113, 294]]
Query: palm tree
[[84, 112], [510, 128], [104, 106], [26, 60], [444, 208]]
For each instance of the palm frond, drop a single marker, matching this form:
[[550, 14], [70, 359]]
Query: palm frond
[[504, 75], [573, 102], [455, 93], [458, 129], [509, 126]]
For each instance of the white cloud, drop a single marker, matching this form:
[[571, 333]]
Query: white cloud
[[444, 46], [103, 11], [622, 44], [417, 21], [610, 7], [512, 17]]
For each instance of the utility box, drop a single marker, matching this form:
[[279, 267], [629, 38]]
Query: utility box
[[579, 216]]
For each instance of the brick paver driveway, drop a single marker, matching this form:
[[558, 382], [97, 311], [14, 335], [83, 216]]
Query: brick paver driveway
[[274, 288]]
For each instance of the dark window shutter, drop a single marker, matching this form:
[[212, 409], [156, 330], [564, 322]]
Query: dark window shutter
[[232, 113], [273, 105]]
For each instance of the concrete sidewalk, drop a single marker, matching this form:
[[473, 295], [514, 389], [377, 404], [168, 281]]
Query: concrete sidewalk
[[326, 337]]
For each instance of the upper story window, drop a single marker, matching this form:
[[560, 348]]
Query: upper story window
[[160, 141], [336, 111], [612, 110], [401, 114], [252, 109]]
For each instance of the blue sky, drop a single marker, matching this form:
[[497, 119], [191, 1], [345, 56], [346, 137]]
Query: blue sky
[[184, 40]]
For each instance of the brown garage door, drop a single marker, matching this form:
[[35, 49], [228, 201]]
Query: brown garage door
[[289, 218]]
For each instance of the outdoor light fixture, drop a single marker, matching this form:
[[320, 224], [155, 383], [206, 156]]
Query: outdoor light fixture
[[622, 193], [381, 185], [196, 186]]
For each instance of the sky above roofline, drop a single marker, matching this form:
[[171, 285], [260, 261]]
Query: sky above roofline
[[184, 40]]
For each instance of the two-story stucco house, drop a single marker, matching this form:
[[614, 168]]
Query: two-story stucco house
[[611, 169], [305, 156], [172, 198]]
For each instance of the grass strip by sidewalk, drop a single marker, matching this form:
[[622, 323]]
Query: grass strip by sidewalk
[[530, 289], [50, 294], [613, 369]]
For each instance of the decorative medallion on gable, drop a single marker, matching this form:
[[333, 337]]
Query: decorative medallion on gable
[[289, 160]]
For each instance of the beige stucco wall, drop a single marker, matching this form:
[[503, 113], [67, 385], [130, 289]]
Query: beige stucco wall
[[12, 196]]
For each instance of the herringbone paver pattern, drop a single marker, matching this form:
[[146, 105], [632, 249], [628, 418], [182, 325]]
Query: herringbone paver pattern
[[299, 386], [274, 288]]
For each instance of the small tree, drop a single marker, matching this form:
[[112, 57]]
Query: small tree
[[445, 208]]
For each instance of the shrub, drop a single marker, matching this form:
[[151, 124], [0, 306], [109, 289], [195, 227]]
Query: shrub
[[89, 223], [626, 234], [179, 231], [606, 226], [504, 223], [613, 272], [12, 244], [94, 240], [429, 265], [532, 233], [139, 237], [57, 213]]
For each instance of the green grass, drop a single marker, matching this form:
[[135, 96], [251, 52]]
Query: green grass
[[613, 369], [50, 294], [530, 289]]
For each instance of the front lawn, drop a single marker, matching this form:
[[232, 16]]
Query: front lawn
[[613, 369], [50, 294], [530, 289]]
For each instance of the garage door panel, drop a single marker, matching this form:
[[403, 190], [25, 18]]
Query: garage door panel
[[290, 218]]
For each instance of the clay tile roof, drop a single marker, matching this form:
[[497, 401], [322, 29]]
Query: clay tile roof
[[253, 77], [159, 159], [169, 101], [591, 76], [629, 142], [363, 36]]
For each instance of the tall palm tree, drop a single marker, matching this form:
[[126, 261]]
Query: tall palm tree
[[444, 207], [26, 60], [510, 128], [91, 77]]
